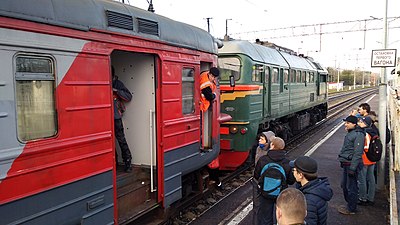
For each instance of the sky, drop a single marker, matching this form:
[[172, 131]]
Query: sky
[[251, 19]]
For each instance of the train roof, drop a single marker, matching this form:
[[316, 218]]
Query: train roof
[[112, 16], [297, 62], [254, 51]]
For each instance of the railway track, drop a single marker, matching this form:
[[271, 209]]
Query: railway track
[[233, 181]]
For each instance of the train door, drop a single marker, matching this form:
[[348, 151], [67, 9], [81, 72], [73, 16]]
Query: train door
[[137, 191], [284, 91], [207, 117], [267, 92]]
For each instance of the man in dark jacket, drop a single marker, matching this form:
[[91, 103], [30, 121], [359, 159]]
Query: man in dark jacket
[[121, 94], [263, 208], [351, 162], [316, 190]]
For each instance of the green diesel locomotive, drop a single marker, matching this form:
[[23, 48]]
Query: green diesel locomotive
[[266, 87]]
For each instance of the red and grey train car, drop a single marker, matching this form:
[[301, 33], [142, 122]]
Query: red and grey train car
[[274, 89], [57, 145]]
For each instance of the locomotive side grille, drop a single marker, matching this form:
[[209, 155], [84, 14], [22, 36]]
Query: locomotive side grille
[[119, 20], [147, 27]]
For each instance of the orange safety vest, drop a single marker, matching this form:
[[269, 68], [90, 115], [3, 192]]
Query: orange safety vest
[[205, 82]]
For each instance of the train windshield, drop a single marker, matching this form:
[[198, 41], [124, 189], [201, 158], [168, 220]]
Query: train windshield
[[229, 66]]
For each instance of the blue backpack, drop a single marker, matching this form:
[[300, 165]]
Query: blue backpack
[[272, 180]]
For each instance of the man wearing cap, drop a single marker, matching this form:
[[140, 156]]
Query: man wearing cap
[[316, 190], [366, 195], [351, 161], [208, 87]]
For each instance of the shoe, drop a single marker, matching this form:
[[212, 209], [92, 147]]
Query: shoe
[[128, 167], [370, 203], [220, 186], [343, 210], [362, 202]]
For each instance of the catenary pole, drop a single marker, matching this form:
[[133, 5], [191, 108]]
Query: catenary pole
[[383, 108]]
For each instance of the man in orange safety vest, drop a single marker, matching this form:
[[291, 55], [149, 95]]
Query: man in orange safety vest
[[208, 87]]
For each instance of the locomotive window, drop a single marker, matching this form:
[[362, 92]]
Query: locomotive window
[[266, 75], [275, 76], [308, 77], [285, 76], [187, 91], [312, 77], [229, 66], [257, 71], [293, 76], [303, 78], [298, 76], [35, 97]]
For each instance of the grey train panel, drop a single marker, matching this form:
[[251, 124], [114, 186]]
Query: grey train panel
[[87, 201], [180, 162], [255, 51], [87, 14], [297, 62]]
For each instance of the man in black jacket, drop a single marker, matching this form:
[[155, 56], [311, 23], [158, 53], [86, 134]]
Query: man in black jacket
[[316, 190], [121, 94], [263, 208], [351, 162]]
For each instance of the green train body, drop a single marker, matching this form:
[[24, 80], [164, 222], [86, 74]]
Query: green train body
[[274, 89]]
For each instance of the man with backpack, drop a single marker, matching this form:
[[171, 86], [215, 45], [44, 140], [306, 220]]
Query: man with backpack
[[272, 174], [371, 154], [350, 160]]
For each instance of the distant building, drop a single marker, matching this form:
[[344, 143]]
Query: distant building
[[335, 85]]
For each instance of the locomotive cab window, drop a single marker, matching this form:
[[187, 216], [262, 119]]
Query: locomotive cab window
[[35, 97], [257, 73], [187, 91], [229, 67]]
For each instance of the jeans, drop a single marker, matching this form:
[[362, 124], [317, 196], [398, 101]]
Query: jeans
[[366, 183], [123, 145], [350, 189]]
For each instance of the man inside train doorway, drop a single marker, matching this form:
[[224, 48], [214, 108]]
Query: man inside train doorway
[[121, 94], [207, 90]]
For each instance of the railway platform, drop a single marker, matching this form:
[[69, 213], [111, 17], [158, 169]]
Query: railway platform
[[325, 150]]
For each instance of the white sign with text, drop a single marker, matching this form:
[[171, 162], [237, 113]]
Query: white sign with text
[[383, 58]]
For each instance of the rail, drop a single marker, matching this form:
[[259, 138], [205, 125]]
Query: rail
[[394, 154]]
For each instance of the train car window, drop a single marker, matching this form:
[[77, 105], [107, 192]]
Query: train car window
[[35, 97], [286, 76], [267, 75], [257, 72], [229, 66], [275, 75], [312, 77], [298, 76], [307, 77], [303, 78], [187, 90]]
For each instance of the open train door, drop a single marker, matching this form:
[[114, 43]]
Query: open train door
[[137, 190]]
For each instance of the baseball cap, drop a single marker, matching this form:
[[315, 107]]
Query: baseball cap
[[305, 164]]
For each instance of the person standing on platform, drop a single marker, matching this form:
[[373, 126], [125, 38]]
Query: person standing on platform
[[263, 208], [316, 190], [291, 207], [366, 179], [364, 109], [121, 94], [207, 95], [350, 158], [263, 144]]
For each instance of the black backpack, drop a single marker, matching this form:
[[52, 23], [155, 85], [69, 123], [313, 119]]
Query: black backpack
[[374, 153], [272, 180]]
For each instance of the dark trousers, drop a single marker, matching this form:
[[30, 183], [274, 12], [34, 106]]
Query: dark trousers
[[350, 188], [263, 208], [120, 136]]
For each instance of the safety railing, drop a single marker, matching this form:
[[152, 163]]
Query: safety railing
[[394, 154]]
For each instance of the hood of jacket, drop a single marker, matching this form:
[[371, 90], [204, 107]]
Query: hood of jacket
[[277, 155], [319, 187]]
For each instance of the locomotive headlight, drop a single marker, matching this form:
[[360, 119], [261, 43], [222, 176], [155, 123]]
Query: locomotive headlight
[[233, 129], [243, 130]]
